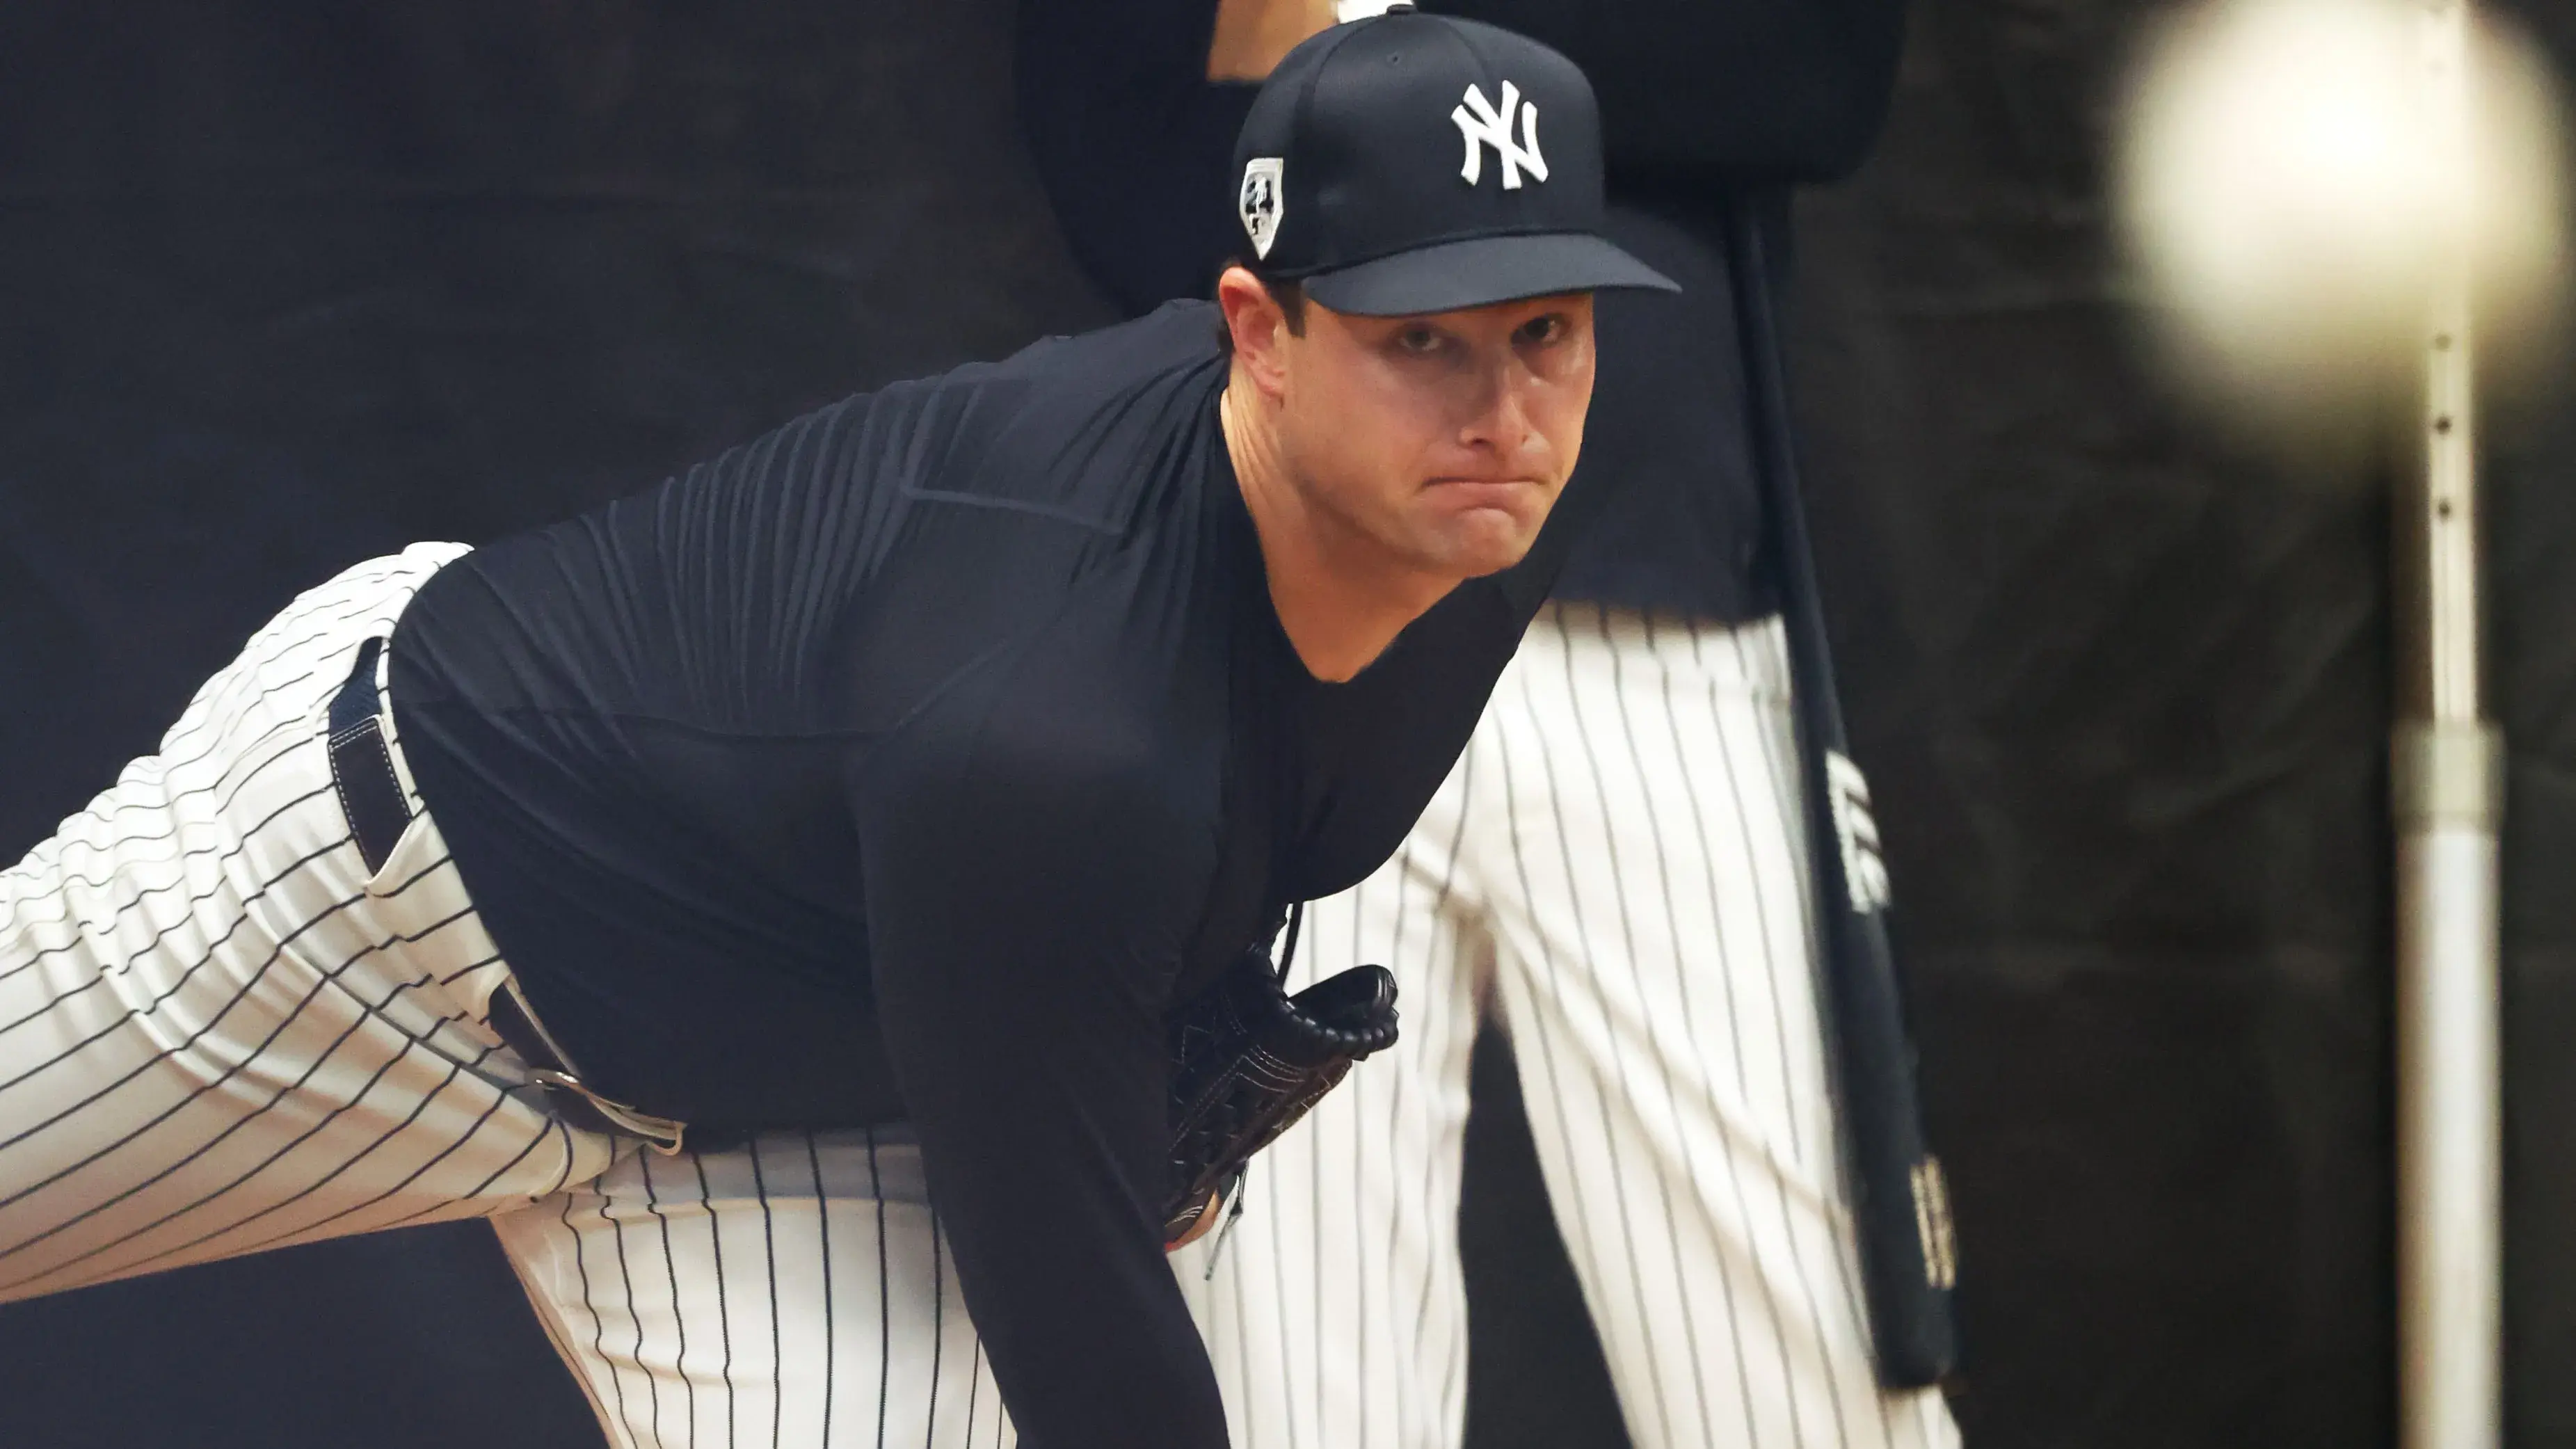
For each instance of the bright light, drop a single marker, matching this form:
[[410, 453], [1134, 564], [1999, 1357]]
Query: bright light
[[2291, 186]]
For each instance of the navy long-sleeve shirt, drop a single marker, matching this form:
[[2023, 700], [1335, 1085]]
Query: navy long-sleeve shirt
[[913, 762], [1699, 98]]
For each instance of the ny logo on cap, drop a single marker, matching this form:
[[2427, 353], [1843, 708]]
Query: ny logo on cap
[[1260, 203], [1482, 125]]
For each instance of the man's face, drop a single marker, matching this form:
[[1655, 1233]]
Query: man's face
[[1439, 441]]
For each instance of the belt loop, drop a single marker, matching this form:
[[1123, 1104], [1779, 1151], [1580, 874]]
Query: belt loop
[[362, 765]]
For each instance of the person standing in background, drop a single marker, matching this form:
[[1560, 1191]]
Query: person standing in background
[[1619, 859]]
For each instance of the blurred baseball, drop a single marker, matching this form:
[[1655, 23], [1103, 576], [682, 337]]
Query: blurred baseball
[[2298, 177]]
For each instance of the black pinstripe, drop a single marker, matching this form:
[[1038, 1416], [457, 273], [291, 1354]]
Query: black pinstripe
[[769, 1249], [1735, 1026], [1601, 994], [1784, 775], [885, 1295], [1753, 853], [679, 1313], [164, 805], [1784, 781], [1725, 977], [204, 710], [546, 1127], [219, 1138], [356, 1023], [471, 1132], [1287, 1362], [446, 1021], [1752, 856], [1315, 1221], [626, 1284], [1359, 1205], [724, 1313], [125, 867], [238, 723], [1547, 1048], [1681, 979], [1455, 1383], [126, 967], [569, 1157], [222, 710], [205, 717], [938, 1324], [1361, 1235], [823, 1222], [168, 769], [1242, 1338], [165, 1054], [1821, 1352], [1807, 946], [556, 1328], [598, 1325], [1394, 1125], [808, 1330]]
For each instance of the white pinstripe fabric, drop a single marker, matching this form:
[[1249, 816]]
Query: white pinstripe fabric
[[1619, 858], [791, 1292], [219, 1032]]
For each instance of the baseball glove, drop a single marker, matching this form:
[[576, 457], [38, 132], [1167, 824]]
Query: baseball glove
[[1248, 1060]]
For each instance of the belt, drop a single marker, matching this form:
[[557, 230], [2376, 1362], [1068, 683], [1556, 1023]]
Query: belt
[[371, 796]]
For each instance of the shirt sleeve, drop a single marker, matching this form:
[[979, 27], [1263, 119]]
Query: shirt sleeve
[[1028, 875], [1722, 91], [1132, 141]]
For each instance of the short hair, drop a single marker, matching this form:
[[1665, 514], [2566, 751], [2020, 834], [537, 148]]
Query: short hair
[[1288, 292]]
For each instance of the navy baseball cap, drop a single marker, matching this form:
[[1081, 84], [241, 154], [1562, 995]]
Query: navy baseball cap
[[1412, 163]]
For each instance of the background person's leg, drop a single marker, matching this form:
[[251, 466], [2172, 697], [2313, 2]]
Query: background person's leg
[[1336, 1313], [792, 1292], [1654, 971]]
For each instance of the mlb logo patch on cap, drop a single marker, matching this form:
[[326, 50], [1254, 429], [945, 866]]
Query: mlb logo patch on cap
[[1259, 203]]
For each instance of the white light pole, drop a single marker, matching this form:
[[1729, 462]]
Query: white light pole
[[2447, 781]]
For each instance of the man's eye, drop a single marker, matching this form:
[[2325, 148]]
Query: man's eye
[[1543, 330], [1420, 341]]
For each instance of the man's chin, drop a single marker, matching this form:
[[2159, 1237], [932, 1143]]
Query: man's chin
[[1482, 553]]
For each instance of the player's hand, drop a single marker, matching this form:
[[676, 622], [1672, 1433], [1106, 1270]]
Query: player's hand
[[1253, 36]]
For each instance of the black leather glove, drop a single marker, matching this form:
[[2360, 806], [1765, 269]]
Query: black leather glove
[[1248, 1060]]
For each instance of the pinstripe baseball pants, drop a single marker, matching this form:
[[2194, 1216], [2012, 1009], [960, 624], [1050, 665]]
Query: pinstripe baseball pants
[[1618, 860], [793, 1291], [222, 1031]]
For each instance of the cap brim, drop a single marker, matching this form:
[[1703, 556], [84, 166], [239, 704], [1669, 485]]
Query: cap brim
[[1480, 272]]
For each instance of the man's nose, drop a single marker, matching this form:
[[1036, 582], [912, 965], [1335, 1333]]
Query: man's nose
[[1500, 416]]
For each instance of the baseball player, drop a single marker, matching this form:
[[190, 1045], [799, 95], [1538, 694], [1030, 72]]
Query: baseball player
[[775, 900], [1619, 862]]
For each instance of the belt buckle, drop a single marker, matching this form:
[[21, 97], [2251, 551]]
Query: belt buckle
[[663, 1134], [549, 1067]]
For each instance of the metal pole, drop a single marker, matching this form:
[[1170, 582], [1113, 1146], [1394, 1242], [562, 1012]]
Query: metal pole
[[2447, 780]]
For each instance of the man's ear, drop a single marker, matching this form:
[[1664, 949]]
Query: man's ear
[[1258, 327]]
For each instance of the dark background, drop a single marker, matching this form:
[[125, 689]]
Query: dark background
[[285, 284]]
